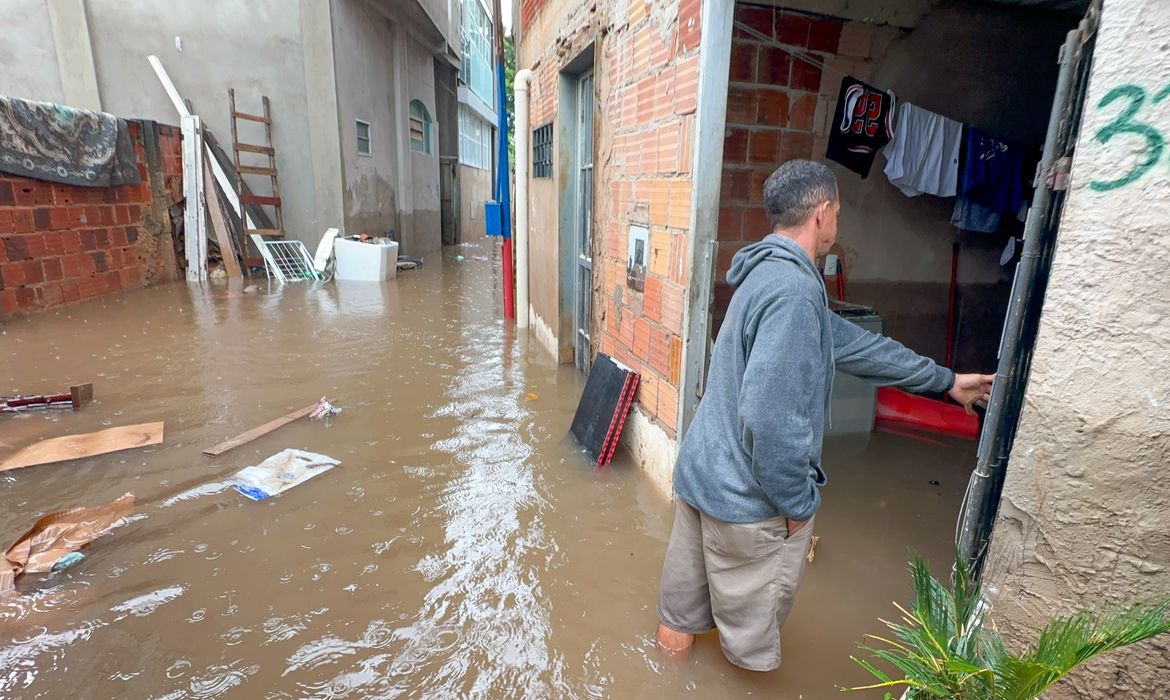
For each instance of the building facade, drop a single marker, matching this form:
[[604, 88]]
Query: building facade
[[654, 124], [359, 116], [478, 116]]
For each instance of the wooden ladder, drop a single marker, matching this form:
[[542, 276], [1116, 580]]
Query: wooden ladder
[[241, 170]]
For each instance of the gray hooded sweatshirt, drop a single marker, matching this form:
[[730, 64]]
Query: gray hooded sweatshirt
[[753, 450]]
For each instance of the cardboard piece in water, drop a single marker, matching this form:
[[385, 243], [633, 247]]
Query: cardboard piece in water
[[59, 534], [604, 406], [281, 472], [69, 447]]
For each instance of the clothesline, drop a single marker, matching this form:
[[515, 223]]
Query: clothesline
[[795, 53]]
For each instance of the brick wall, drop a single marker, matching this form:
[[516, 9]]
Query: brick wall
[[647, 133], [646, 77], [529, 9], [778, 109], [61, 243]]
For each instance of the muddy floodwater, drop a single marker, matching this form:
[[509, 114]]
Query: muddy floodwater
[[464, 547]]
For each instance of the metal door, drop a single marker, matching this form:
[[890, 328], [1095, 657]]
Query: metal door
[[583, 167], [981, 502]]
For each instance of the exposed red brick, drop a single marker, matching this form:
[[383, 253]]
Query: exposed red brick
[[795, 145], [805, 76], [761, 19], [688, 25], [53, 269], [755, 223], [743, 62], [793, 29], [803, 110], [735, 186], [32, 193], [772, 108], [735, 146], [742, 105], [824, 35], [730, 221], [6, 196], [775, 65], [652, 299], [764, 146]]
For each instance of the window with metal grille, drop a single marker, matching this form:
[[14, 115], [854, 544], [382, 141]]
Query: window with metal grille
[[542, 151], [364, 147]]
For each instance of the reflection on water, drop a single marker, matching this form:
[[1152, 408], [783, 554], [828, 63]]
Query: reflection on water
[[462, 548]]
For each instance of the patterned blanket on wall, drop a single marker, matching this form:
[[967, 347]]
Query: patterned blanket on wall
[[53, 142]]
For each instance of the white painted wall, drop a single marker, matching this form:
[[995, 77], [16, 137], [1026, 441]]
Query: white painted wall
[[253, 47], [1085, 518]]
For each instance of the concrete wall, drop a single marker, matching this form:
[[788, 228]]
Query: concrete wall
[[897, 250], [1084, 520], [426, 234], [475, 188], [364, 48], [253, 47], [28, 53]]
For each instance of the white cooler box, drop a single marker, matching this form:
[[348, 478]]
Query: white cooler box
[[366, 262]]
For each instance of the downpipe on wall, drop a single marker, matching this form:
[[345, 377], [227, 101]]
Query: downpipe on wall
[[521, 83]]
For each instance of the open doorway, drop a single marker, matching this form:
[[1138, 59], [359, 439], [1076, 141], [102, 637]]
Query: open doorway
[[911, 262]]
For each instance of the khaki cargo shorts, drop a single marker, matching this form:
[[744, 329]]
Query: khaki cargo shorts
[[738, 577]]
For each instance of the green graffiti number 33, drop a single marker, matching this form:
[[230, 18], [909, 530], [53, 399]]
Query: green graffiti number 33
[[1126, 123]]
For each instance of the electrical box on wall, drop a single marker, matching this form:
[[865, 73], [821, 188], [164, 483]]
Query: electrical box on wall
[[493, 215]]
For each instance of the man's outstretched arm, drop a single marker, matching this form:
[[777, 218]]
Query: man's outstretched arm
[[886, 362]]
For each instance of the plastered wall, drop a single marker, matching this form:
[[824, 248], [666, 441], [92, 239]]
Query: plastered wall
[[1085, 515]]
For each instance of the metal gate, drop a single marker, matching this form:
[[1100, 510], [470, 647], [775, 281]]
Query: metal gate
[[981, 502], [583, 306]]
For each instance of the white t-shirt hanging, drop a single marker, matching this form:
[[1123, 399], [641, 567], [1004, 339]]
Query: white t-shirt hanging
[[923, 157]]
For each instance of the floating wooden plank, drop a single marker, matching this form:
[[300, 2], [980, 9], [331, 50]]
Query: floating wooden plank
[[256, 432], [220, 225], [252, 117], [252, 148], [61, 449]]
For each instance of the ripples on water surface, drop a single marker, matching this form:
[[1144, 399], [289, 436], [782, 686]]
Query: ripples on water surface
[[463, 547]]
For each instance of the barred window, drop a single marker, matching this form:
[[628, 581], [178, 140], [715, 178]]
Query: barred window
[[542, 151]]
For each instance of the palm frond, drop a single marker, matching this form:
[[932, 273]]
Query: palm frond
[[944, 648]]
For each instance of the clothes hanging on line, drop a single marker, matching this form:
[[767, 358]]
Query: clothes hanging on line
[[991, 182], [923, 157], [863, 123]]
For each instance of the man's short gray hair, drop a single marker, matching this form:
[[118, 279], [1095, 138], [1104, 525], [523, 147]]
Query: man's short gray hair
[[795, 189]]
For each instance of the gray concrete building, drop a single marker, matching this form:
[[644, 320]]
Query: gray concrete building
[[359, 114]]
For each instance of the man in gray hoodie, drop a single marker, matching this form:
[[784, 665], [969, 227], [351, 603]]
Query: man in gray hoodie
[[748, 474]]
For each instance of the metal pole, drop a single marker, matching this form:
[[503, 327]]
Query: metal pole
[[503, 174]]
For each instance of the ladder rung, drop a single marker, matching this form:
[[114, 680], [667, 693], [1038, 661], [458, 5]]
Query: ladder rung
[[265, 232], [251, 117], [250, 148], [260, 199], [253, 170]]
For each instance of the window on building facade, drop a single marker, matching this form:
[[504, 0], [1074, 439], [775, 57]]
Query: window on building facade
[[475, 139], [542, 151], [476, 43], [364, 146], [421, 128]]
